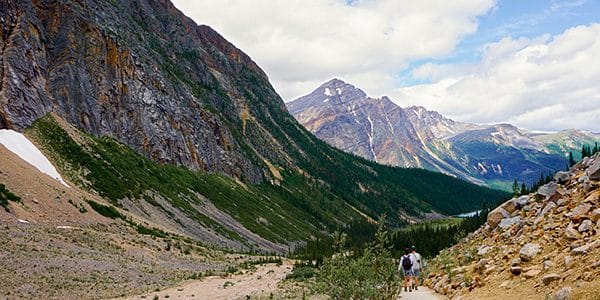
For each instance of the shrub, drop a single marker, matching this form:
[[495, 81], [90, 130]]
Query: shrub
[[371, 274], [105, 210]]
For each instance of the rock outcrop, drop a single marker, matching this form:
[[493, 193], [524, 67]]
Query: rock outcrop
[[552, 249], [145, 74]]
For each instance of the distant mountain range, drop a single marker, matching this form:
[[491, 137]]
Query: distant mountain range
[[378, 129]]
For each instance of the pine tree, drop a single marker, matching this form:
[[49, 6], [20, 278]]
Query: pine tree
[[524, 190], [596, 150], [515, 188], [571, 160], [584, 152]]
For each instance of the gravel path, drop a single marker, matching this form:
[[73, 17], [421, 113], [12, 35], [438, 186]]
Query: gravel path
[[423, 293], [262, 282]]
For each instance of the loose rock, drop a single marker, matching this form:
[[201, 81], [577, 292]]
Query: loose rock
[[563, 294], [580, 212], [562, 176], [529, 251], [585, 226], [550, 278]]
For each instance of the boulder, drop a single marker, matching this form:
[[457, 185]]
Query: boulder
[[550, 278], [583, 227], [510, 206], [593, 171], [562, 176], [561, 202], [546, 190], [563, 294], [548, 264], [496, 215], [529, 251], [508, 222], [580, 212], [522, 201]]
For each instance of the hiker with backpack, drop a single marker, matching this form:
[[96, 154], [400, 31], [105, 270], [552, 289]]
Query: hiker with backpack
[[415, 258], [406, 266]]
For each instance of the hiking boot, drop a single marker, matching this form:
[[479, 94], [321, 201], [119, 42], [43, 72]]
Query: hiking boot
[[405, 289]]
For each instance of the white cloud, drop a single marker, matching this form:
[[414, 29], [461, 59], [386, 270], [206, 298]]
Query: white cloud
[[544, 83], [302, 43]]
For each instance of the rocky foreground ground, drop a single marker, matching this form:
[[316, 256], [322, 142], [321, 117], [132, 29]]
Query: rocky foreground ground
[[544, 245]]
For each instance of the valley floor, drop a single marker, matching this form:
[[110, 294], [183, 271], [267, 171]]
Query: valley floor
[[258, 283]]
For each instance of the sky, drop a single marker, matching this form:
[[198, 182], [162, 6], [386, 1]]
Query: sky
[[534, 63]]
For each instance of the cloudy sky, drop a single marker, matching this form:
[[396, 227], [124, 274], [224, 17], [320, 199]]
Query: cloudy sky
[[532, 63]]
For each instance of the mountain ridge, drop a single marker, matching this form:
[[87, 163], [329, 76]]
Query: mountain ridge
[[431, 140]]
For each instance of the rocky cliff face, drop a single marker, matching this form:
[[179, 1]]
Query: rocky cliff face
[[142, 72], [379, 130], [543, 245]]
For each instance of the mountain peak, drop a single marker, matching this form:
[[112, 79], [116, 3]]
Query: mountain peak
[[337, 87]]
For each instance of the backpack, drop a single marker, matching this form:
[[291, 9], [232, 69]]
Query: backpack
[[406, 263]]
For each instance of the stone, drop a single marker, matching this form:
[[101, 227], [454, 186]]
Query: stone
[[481, 264], [593, 198], [561, 202], [583, 179], [562, 176], [516, 270], [586, 248], [547, 279], [496, 215], [515, 261], [549, 206], [595, 215], [584, 226], [508, 222], [532, 273], [489, 270], [506, 284], [510, 206], [571, 233], [522, 201], [563, 294], [529, 251], [593, 170], [546, 190], [580, 212], [483, 250], [548, 264], [569, 262]]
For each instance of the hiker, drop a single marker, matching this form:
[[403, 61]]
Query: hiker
[[406, 266], [415, 258]]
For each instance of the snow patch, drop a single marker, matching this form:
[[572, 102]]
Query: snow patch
[[326, 100], [339, 91], [328, 92], [371, 139], [18, 144]]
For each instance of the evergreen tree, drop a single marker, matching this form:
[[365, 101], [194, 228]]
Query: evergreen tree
[[595, 150], [515, 188], [571, 160], [584, 152], [524, 190]]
